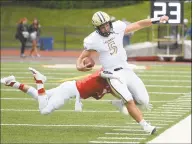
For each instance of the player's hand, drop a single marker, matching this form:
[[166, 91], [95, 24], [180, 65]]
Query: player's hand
[[78, 106], [164, 19], [83, 67]]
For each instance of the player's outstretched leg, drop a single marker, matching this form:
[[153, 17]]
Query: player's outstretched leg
[[11, 81], [40, 79]]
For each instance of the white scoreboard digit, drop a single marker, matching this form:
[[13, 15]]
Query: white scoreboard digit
[[172, 8]]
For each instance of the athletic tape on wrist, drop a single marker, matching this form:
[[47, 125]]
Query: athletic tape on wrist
[[155, 20]]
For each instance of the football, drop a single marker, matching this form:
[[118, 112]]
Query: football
[[90, 61]]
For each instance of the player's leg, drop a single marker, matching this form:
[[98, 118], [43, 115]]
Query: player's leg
[[121, 89], [140, 95], [138, 90], [60, 96], [11, 81], [42, 97]]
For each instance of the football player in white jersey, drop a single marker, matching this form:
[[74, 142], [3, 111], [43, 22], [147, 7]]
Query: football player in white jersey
[[107, 40]]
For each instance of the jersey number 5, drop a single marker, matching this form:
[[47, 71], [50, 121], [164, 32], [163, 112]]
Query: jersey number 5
[[112, 47]]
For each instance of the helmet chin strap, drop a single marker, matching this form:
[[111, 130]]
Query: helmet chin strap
[[107, 34]]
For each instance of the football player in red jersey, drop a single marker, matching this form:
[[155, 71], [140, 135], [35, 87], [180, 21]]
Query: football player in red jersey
[[91, 86]]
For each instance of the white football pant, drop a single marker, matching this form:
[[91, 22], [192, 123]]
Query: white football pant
[[130, 88], [57, 97]]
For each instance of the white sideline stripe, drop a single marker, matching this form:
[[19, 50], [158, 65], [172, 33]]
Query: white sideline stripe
[[61, 125], [118, 138], [116, 142], [179, 133], [132, 134]]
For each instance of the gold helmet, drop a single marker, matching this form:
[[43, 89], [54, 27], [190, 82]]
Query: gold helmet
[[99, 18]]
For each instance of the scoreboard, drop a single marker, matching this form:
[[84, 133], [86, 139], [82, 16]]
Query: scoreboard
[[174, 9]]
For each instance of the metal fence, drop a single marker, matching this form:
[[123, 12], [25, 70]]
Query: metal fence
[[64, 38]]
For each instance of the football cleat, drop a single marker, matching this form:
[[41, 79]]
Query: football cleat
[[39, 78], [149, 129], [7, 80]]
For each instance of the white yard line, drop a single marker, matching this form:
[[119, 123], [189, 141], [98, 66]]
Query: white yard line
[[160, 118], [134, 123], [164, 72], [162, 121], [162, 80], [62, 125], [62, 72], [169, 86], [162, 93], [158, 76], [36, 110], [130, 134], [179, 133]]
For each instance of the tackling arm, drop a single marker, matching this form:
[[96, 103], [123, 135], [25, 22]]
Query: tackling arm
[[145, 23]]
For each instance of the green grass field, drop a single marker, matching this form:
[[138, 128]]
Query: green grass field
[[169, 87], [54, 20]]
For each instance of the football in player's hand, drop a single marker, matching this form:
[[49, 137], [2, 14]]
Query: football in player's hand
[[89, 62]]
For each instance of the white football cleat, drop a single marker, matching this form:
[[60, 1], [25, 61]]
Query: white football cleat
[[121, 107], [7, 80], [37, 75], [149, 129]]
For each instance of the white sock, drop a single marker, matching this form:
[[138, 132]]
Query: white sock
[[16, 85], [33, 93], [40, 86], [143, 123]]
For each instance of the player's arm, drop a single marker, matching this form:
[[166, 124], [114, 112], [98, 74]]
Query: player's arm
[[145, 23], [80, 61]]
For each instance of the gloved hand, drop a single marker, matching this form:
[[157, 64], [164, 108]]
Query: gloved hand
[[78, 106]]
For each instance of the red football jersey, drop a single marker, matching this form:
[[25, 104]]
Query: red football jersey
[[92, 86]]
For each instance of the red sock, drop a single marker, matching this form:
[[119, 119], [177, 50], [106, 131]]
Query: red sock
[[21, 87], [41, 91]]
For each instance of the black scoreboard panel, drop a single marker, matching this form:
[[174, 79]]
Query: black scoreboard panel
[[174, 9]]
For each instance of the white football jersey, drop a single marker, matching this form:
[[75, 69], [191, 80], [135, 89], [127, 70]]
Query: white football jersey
[[111, 52]]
